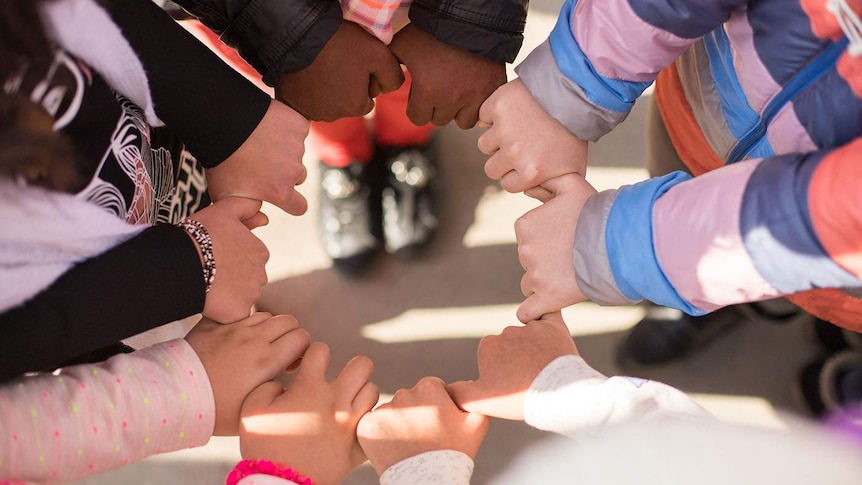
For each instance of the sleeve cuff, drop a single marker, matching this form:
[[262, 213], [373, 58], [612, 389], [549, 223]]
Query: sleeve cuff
[[499, 41], [433, 467], [571, 398], [547, 406], [591, 260], [562, 98], [294, 49], [631, 246], [196, 391]]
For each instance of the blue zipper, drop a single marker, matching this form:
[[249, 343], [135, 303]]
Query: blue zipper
[[802, 80]]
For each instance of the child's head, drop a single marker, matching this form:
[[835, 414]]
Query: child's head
[[30, 150]]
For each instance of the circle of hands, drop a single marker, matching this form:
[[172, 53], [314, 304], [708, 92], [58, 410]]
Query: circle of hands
[[325, 428], [339, 418]]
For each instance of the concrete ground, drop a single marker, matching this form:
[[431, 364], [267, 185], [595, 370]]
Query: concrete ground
[[426, 316]]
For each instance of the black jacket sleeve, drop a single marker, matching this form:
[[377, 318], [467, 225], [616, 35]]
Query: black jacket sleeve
[[274, 36], [489, 28], [211, 108], [151, 279]]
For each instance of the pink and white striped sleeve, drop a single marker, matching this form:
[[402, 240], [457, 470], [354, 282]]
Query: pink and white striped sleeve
[[92, 418]]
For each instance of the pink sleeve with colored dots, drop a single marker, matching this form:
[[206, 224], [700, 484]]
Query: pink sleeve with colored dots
[[96, 417]]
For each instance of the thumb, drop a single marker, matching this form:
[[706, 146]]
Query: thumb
[[563, 183], [539, 193], [531, 309], [257, 220], [553, 317], [241, 207], [388, 78], [374, 87], [466, 394], [487, 111]]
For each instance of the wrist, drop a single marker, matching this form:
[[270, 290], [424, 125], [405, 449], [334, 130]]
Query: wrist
[[264, 467], [202, 239]]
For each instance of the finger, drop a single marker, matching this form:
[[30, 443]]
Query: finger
[[295, 204], [521, 235], [276, 326], [303, 175], [354, 375], [489, 144], [263, 394], [513, 182], [374, 87], [465, 394], [483, 124], [291, 347], [433, 387], [553, 317], [497, 166], [487, 111], [526, 283], [419, 109], [366, 398], [389, 76], [258, 220], [430, 383], [443, 114], [564, 183], [532, 308], [256, 318], [539, 193], [467, 117], [315, 362], [241, 207]]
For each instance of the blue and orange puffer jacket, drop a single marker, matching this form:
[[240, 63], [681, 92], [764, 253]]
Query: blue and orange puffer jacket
[[763, 101]]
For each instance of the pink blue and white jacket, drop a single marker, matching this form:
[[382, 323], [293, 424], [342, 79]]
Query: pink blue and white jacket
[[766, 97]]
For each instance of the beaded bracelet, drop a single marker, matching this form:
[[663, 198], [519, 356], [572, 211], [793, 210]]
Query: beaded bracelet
[[264, 467], [200, 234]]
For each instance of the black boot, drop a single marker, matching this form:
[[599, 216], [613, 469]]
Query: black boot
[[666, 334], [349, 216], [410, 198]]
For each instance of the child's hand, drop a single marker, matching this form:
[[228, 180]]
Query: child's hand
[[310, 427], [508, 365], [527, 146], [239, 255], [353, 67], [448, 82], [546, 238], [268, 165], [417, 420], [241, 356]]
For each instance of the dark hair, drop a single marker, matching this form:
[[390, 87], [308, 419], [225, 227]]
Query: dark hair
[[22, 37], [30, 149]]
